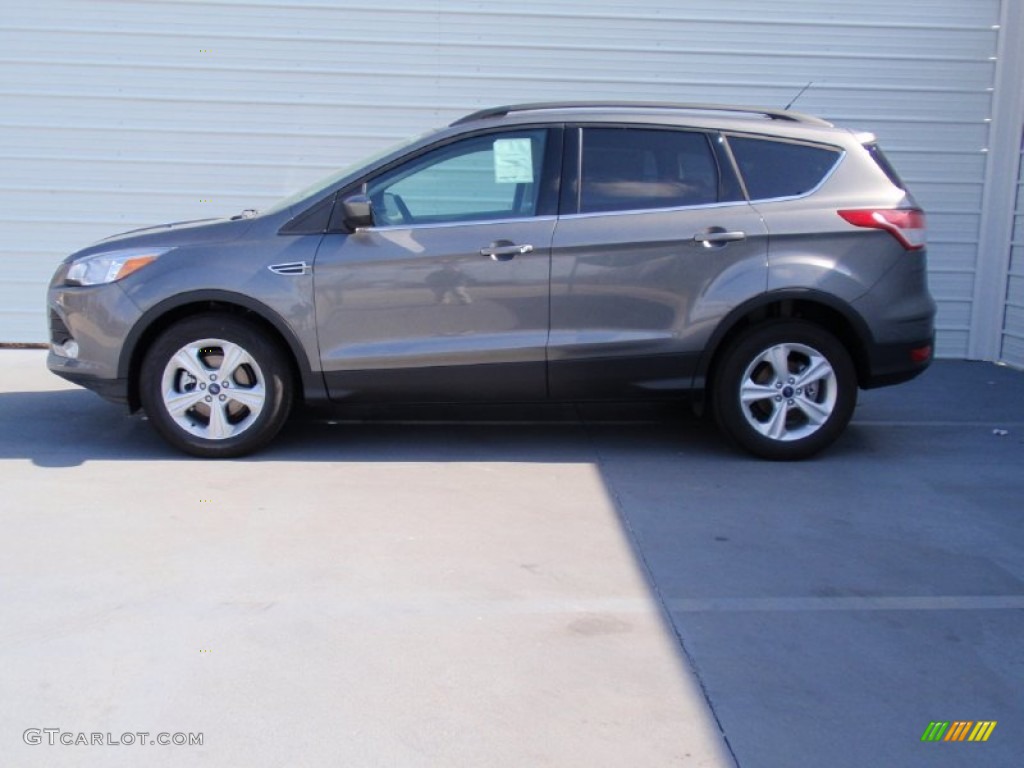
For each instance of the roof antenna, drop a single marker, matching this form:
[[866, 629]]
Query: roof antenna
[[802, 91]]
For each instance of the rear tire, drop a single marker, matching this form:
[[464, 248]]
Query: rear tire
[[784, 390], [214, 386]]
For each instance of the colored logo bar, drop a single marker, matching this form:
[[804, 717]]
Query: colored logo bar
[[958, 730]]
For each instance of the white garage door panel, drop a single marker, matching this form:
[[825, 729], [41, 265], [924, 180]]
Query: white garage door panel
[[166, 178], [1013, 344], [928, 137], [919, 166], [955, 195], [951, 343], [957, 228], [110, 211], [472, 58], [150, 88], [229, 115], [783, 12], [947, 258], [40, 247], [1013, 350], [22, 267], [1013, 321], [953, 286], [120, 114]]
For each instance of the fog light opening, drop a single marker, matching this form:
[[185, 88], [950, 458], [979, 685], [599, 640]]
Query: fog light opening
[[68, 349]]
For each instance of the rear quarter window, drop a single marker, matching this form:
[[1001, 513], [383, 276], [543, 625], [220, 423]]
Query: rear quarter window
[[780, 169]]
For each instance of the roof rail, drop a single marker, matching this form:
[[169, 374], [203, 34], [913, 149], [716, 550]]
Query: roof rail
[[773, 114]]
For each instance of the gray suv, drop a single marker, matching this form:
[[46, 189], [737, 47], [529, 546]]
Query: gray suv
[[766, 262]]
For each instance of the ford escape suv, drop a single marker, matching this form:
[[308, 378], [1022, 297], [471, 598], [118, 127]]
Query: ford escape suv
[[767, 262]]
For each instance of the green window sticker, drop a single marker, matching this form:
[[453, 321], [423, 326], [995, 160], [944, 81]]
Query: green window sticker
[[513, 161]]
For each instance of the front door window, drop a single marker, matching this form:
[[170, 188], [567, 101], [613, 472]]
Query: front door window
[[478, 179]]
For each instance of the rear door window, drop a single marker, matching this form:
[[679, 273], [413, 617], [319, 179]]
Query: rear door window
[[773, 169], [627, 169]]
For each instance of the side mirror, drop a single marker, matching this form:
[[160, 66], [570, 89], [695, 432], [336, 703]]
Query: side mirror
[[357, 212]]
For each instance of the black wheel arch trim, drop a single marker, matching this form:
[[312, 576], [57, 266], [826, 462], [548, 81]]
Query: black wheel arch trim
[[861, 356], [312, 381]]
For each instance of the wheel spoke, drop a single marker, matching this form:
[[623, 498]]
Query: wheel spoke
[[188, 360], [752, 392], [252, 398], [817, 413], [816, 371], [778, 358], [177, 403], [776, 426], [219, 428], [234, 356]]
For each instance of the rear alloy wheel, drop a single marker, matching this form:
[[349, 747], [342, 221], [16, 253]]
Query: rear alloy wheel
[[214, 387], [785, 390]]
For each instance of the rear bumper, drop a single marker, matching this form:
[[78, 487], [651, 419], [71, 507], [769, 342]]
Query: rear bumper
[[900, 312], [897, 362]]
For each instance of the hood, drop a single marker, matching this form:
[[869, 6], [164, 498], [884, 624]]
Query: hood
[[179, 233]]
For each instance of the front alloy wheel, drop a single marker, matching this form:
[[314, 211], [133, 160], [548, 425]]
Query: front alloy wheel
[[213, 386], [213, 389], [785, 390]]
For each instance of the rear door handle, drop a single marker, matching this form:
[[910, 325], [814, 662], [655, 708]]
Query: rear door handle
[[503, 250], [716, 236]]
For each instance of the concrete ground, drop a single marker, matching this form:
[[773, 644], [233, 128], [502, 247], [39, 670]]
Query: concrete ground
[[621, 590]]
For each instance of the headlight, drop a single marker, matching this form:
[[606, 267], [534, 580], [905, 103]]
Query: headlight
[[110, 266]]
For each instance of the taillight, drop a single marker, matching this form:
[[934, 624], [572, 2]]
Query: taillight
[[905, 224]]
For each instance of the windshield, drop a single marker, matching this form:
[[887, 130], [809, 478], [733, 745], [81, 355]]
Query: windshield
[[329, 181]]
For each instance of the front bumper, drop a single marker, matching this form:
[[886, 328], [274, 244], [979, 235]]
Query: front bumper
[[94, 321], [114, 390]]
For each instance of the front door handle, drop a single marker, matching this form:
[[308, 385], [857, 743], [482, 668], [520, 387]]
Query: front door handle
[[503, 250], [718, 236]]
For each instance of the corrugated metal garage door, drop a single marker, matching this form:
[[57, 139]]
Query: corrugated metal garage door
[[1013, 321], [122, 114]]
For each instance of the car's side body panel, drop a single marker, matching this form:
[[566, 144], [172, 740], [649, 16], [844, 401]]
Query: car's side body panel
[[635, 297], [420, 313]]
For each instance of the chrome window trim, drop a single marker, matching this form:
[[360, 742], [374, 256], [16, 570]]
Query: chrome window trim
[[674, 209], [448, 224]]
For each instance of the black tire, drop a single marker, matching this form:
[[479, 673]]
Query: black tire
[[215, 418], [791, 421]]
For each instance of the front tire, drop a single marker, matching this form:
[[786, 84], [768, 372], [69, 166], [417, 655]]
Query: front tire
[[215, 387], [784, 390]]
